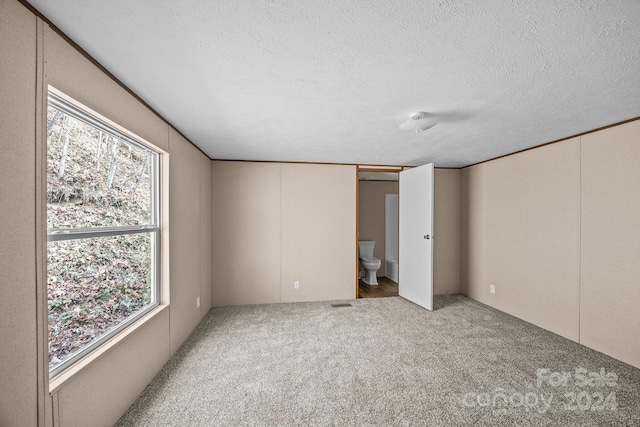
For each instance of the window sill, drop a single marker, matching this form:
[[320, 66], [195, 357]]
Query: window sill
[[58, 382]]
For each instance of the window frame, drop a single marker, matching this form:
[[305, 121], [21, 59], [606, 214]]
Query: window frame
[[153, 228]]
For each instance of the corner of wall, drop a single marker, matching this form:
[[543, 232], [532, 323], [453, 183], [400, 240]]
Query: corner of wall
[[447, 197]]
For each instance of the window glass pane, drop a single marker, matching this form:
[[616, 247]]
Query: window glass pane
[[95, 179], [94, 285]]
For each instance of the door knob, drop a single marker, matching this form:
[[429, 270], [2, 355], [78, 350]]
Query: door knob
[[426, 236]]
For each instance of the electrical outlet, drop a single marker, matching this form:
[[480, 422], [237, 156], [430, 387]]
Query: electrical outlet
[[198, 302], [492, 289], [296, 284]]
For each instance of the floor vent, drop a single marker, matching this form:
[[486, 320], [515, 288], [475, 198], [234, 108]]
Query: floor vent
[[341, 305]]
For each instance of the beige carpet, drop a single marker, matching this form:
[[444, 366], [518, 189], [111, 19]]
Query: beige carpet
[[384, 362]]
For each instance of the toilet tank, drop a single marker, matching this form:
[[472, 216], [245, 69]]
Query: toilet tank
[[365, 248]]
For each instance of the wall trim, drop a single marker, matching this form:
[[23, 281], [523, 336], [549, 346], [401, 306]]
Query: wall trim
[[556, 141], [374, 168], [45, 410], [360, 166]]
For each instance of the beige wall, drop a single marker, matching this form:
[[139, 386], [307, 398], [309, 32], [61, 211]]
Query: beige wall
[[285, 217], [371, 215], [34, 56], [530, 236], [100, 394], [446, 231], [68, 70], [247, 240], [610, 242], [318, 232], [185, 210], [555, 230], [18, 335], [206, 233], [560, 249], [275, 223], [471, 231]]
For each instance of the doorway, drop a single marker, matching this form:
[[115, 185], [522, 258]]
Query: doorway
[[376, 186]]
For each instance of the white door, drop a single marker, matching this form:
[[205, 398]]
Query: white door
[[416, 236]]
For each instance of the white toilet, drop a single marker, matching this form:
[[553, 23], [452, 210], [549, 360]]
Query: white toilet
[[370, 263]]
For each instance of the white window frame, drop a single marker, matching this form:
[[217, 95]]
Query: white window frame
[[153, 228]]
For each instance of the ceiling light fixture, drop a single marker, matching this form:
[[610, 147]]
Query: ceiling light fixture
[[419, 122]]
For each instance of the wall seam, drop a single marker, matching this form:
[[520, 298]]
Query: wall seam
[[56, 410], [168, 257], [459, 262], [281, 235], [212, 237], [357, 188], [579, 237], [483, 239], [42, 377], [200, 246]]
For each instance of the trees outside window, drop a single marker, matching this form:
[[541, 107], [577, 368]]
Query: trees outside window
[[103, 231]]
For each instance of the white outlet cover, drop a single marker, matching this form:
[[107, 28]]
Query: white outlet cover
[[198, 302], [492, 289]]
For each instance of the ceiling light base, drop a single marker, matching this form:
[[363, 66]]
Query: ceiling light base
[[419, 122]]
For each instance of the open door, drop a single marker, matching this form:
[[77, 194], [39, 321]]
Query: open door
[[416, 236]]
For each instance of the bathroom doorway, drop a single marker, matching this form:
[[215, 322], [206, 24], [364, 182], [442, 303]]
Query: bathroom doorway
[[377, 222]]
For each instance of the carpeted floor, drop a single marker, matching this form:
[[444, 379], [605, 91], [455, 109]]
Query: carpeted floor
[[384, 362]]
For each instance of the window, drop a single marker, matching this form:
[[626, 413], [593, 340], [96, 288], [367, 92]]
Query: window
[[103, 234]]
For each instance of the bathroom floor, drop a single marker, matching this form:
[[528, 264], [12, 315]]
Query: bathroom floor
[[385, 288]]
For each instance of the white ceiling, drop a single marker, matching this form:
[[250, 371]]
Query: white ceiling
[[331, 80]]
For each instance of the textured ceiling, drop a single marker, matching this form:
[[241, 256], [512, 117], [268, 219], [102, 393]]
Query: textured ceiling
[[330, 81]]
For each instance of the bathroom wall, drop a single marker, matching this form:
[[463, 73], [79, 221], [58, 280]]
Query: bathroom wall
[[371, 215], [275, 223], [555, 230]]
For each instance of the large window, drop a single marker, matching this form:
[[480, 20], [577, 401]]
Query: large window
[[103, 234]]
